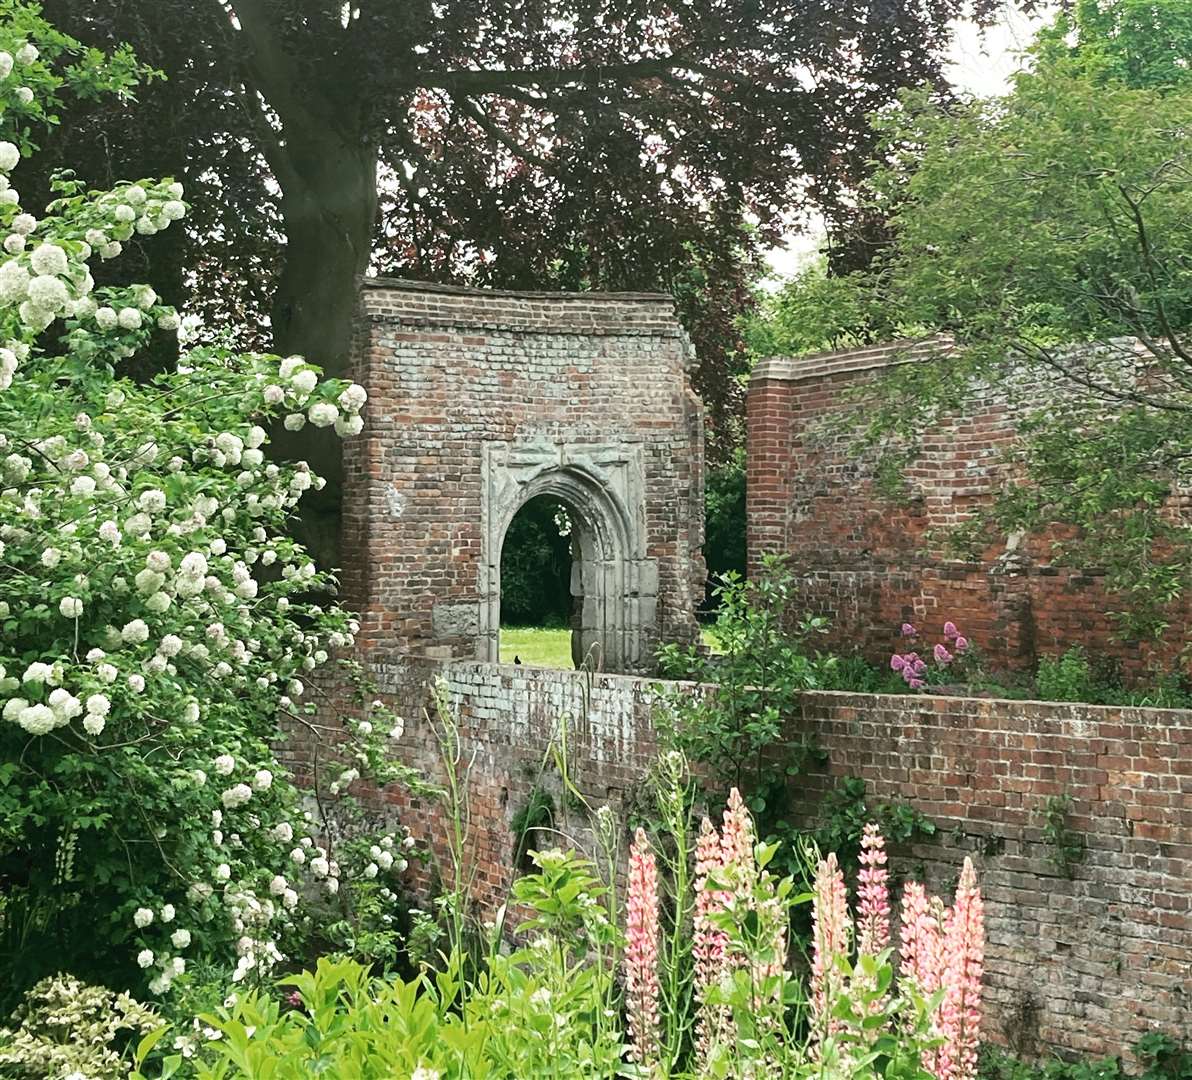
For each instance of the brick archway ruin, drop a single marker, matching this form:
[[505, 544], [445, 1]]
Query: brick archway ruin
[[615, 580], [481, 400]]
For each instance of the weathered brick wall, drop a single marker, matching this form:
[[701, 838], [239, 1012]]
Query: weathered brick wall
[[477, 398], [871, 559], [1080, 965]]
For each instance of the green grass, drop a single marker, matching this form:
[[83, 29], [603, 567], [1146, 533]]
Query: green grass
[[539, 646]]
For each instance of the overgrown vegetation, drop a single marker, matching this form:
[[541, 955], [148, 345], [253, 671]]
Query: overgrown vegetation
[[1161, 1058]]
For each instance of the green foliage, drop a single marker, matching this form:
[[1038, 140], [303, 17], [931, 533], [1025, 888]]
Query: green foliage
[[742, 731], [63, 1027], [1145, 44], [1072, 676], [1067, 678], [724, 522], [536, 565], [844, 813], [1066, 845], [1089, 149], [157, 619], [1160, 1056]]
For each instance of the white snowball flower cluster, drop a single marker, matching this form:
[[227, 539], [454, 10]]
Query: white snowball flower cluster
[[151, 540]]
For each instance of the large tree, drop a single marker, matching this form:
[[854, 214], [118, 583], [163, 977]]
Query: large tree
[[574, 143]]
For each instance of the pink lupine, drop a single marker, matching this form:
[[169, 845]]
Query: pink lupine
[[709, 943], [963, 962], [942, 656], [873, 924], [920, 943], [950, 631], [960, 644], [908, 630], [830, 936], [641, 953], [737, 841]]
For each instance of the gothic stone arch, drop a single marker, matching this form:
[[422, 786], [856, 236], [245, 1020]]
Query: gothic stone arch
[[480, 400], [605, 487]]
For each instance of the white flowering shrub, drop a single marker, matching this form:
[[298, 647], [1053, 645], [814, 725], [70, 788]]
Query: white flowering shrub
[[156, 619]]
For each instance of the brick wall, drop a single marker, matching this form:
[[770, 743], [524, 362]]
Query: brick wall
[[592, 387], [1080, 965], [872, 560]]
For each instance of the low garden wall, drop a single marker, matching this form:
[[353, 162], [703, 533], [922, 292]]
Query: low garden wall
[[1081, 963]]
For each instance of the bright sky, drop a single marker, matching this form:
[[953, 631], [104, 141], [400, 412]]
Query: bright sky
[[981, 63]]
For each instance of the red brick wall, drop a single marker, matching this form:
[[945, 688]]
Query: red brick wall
[[872, 560], [448, 369], [1083, 965]]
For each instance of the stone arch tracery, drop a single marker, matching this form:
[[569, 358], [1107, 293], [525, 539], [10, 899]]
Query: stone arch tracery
[[603, 486]]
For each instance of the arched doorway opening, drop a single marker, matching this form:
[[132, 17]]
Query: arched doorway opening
[[539, 610], [614, 585]]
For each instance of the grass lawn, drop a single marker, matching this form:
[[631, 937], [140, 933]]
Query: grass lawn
[[550, 647]]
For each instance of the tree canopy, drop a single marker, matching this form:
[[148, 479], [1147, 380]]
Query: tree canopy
[[550, 143], [1049, 233]]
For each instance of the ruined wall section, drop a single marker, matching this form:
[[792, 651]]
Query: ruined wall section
[[870, 555], [480, 399]]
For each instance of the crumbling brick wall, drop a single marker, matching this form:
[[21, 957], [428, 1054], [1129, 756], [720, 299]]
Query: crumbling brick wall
[[1081, 964], [480, 399], [871, 557]]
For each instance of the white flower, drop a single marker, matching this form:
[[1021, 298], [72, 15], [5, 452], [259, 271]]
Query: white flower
[[298, 856], [82, 485], [289, 365], [158, 602], [129, 318], [193, 565], [224, 764], [26, 54], [319, 866], [223, 872], [370, 871], [273, 394], [290, 899], [37, 719], [347, 427], [180, 938], [171, 645], [167, 913], [236, 796], [98, 705], [6, 62], [9, 156], [262, 779], [37, 673], [134, 632], [283, 832], [48, 293], [14, 243], [94, 725], [152, 500], [136, 683], [49, 259], [305, 381], [294, 421], [110, 532], [278, 885], [353, 398], [50, 558], [145, 958], [190, 712], [13, 707], [332, 885], [65, 705], [70, 607], [385, 859], [323, 414], [142, 917], [106, 673], [199, 777], [24, 95]]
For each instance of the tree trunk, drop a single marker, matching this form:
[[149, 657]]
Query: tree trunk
[[329, 203]]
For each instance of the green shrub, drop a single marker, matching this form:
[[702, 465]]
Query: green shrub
[[64, 1027]]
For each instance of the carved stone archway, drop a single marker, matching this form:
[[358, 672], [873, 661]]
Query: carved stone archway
[[604, 488]]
